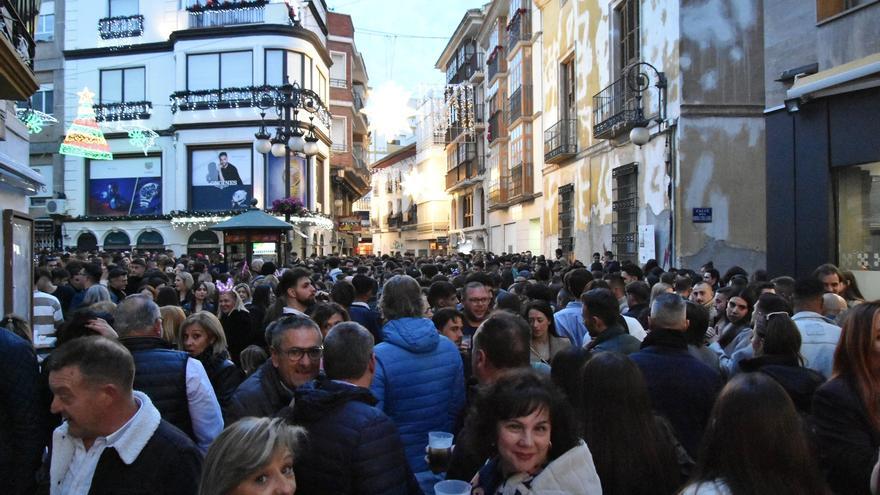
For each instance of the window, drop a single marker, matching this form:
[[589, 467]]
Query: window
[[44, 99], [119, 85], [625, 210], [567, 90], [627, 14], [321, 89], [338, 134], [123, 8], [294, 65], [516, 146], [467, 210], [219, 70], [829, 8], [514, 73], [338, 72], [857, 204], [45, 30], [566, 218]]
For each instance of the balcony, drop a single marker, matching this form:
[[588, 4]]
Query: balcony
[[339, 148], [130, 110], [497, 127], [476, 76], [411, 217], [121, 27], [214, 99], [227, 13], [496, 64], [395, 220], [498, 190], [519, 28], [338, 83], [17, 79], [616, 110], [560, 141], [519, 104], [466, 173], [520, 182]]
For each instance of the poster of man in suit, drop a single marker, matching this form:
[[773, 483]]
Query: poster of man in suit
[[221, 179]]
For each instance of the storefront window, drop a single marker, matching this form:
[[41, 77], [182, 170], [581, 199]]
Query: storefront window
[[858, 225]]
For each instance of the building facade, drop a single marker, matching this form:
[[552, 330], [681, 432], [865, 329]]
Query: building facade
[[690, 80], [391, 206], [822, 79], [179, 110], [17, 180], [350, 175]]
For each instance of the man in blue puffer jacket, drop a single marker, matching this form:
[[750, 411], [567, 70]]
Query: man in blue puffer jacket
[[419, 379]]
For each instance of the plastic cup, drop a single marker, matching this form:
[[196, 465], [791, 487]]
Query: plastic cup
[[439, 440], [452, 487]]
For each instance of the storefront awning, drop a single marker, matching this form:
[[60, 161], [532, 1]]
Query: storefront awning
[[858, 74]]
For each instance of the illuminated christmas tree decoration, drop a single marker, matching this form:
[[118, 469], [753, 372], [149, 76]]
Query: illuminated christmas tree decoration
[[84, 138]]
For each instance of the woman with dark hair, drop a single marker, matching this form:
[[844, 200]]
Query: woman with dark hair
[[634, 450], [524, 426], [776, 343], [546, 343], [732, 272], [739, 317], [258, 306], [328, 314], [851, 293], [755, 444], [565, 372], [846, 409], [201, 299]]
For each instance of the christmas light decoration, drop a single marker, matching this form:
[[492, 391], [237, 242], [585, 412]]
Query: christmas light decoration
[[121, 27], [84, 138], [141, 137], [129, 110], [242, 97], [34, 120]]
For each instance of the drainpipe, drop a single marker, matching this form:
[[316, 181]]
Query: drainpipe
[[670, 159]]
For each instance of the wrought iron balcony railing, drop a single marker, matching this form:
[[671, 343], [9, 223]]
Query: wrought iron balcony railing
[[121, 27], [338, 83], [560, 141], [520, 103], [213, 99], [395, 220], [498, 190], [519, 28], [227, 13], [466, 172], [497, 127], [130, 110], [616, 109], [496, 62], [18, 26], [339, 147]]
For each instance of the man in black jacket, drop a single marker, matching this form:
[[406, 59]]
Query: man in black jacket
[[113, 440], [356, 447]]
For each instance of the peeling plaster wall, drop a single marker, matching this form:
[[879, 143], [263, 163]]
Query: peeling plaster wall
[[711, 52]]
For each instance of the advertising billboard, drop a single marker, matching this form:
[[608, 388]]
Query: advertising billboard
[[275, 179], [221, 178], [125, 186]]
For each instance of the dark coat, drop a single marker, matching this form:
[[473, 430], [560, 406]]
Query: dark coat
[[170, 464], [262, 395], [847, 442], [682, 389], [225, 377], [800, 383], [21, 418], [240, 333], [355, 448], [369, 318]]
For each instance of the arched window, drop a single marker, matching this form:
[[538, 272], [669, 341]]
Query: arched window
[[87, 242], [117, 240], [150, 239]]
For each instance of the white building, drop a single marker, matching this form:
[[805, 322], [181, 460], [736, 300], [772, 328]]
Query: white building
[[192, 75]]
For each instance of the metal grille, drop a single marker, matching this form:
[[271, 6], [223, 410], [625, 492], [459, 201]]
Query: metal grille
[[566, 218], [625, 210]]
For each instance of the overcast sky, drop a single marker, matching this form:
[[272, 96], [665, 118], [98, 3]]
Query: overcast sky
[[417, 31]]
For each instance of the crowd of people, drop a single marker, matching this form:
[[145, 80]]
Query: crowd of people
[[155, 373]]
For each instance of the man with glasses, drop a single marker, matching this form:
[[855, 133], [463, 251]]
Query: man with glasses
[[296, 347]]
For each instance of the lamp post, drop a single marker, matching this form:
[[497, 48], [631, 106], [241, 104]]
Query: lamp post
[[638, 80], [289, 138]]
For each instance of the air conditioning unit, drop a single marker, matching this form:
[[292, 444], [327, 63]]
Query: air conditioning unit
[[56, 206]]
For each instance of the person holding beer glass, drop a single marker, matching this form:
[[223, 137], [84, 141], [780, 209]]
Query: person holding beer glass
[[528, 434]]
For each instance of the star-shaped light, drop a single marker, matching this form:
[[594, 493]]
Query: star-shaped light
[[86, 97], [388, 109]]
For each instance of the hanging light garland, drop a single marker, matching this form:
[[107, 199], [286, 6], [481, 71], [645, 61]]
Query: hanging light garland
[[34, 120]]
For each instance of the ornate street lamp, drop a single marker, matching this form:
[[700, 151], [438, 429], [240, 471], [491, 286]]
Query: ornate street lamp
[[638, 80]]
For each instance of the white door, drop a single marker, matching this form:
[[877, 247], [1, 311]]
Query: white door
[[510, 238]]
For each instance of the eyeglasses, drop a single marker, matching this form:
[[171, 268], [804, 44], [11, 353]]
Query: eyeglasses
[[297, 353]]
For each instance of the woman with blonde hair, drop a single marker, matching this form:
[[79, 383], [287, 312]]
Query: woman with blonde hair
[[172, 317], [184, 282], [237, 324], [253, 455], [202, 337]]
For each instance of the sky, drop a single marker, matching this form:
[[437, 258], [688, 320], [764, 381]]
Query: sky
[[401, 41]]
